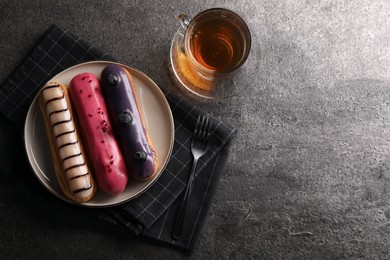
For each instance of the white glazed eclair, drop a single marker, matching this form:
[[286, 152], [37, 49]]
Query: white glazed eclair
[[70, 160]]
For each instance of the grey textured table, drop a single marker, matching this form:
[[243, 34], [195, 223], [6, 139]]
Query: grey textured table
[[309, 172]]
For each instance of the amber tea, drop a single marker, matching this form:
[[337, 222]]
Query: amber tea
[[218, 40], [207, 51], [217, 44]]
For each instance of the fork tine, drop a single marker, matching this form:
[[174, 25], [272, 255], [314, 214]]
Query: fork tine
[[209, 129], [197, 127], [200, 127], [205, 128]]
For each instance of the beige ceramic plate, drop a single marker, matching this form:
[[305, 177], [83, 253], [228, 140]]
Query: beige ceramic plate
[[158, 118]]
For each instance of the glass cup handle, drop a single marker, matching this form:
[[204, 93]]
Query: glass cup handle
[[184, 20]]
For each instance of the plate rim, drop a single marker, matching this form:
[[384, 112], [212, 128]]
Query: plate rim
[[160, 96]]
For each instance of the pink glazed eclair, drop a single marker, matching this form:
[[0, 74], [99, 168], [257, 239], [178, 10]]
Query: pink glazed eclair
[[104, 152]]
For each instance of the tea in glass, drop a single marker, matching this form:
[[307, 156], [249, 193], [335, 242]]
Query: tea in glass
[[217, 41]]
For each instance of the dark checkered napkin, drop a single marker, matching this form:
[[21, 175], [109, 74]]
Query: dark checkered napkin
[[152, 214], [160, 202]]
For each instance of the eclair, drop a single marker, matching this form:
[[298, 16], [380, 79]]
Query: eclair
[[104, 152], [71, 163], [136, 145]]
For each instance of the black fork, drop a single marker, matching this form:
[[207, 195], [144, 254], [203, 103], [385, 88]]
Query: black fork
[[199, 146]]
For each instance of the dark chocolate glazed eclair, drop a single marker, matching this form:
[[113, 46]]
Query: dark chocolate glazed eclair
[[137, 148]]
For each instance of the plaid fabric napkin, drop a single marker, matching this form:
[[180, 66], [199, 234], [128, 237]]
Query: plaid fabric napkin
[[153, 213]]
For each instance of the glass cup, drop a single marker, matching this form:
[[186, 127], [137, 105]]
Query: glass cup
[[208, 49]]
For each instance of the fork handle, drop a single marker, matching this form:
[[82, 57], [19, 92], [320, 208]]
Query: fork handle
[[178, 228]]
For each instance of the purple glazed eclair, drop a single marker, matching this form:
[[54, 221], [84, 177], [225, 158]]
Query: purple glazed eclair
[[137, 149]]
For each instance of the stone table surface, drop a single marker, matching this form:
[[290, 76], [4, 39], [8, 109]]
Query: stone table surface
[[308, 176]]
